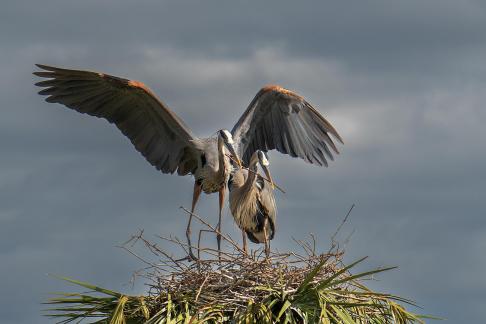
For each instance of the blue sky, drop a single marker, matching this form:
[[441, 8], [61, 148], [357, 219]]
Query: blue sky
[[402, 81]]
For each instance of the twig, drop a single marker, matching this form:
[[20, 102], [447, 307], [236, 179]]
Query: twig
[[226, 238], [342, 223], [200, 288]]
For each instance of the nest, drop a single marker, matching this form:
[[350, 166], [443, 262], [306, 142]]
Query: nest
[[234, 287], [237, 279]]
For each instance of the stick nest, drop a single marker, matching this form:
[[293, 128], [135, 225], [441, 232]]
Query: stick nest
[[234, 287], [237, 279]]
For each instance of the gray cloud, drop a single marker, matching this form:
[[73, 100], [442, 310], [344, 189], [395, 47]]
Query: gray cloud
[[402, 82]]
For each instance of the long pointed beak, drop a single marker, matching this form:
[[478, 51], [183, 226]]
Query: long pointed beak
[[233, 154], [269, 176]]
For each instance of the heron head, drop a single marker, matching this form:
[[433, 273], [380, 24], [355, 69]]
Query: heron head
[[262, 158], [226, 136], [228, 141]]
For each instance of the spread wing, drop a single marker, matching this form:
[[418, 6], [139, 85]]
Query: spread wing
[[280, 119], [154, 129]]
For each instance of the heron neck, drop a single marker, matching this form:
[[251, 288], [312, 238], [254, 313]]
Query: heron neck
[[252, 174], [221, 157]]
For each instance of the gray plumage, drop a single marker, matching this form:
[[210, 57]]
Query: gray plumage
[[252, 201], [280, 119]]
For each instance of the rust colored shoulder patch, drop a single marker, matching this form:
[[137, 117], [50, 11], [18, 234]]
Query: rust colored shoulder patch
[[140, 85], [270, 87], [137, 84], [273, 87]]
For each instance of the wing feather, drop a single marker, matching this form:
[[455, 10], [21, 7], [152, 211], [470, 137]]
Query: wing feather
[[280, 119], [155, 131]]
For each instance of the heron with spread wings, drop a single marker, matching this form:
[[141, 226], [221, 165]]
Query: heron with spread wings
[[275, 119]]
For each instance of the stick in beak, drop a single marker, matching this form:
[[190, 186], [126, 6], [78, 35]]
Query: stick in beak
[[267, 173], [264, 163], [234, 156]]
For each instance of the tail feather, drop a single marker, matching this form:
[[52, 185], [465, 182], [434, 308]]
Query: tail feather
[[258, 236], [252, 237]]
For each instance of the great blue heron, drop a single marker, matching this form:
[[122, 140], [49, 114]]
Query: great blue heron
[[252, 201], [155, 131], [276, 119]]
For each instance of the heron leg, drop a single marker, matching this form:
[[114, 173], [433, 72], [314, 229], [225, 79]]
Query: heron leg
[[267, 249], [245, 243], [221, 203], [195, 198]]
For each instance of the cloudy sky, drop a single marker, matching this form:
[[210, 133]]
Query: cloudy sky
[[402, 81]]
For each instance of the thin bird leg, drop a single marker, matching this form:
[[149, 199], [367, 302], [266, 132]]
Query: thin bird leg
[[267, 249], [221, 203], [245, 243], [195, 198]]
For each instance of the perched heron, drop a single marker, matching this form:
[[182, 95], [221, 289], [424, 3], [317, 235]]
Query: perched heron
[[155, 131], [276, 119], [252, 202]]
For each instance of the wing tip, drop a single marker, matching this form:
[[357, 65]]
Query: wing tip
[[46, 71], [45, 83], [45, 67], [44, 92], [338, 137]]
